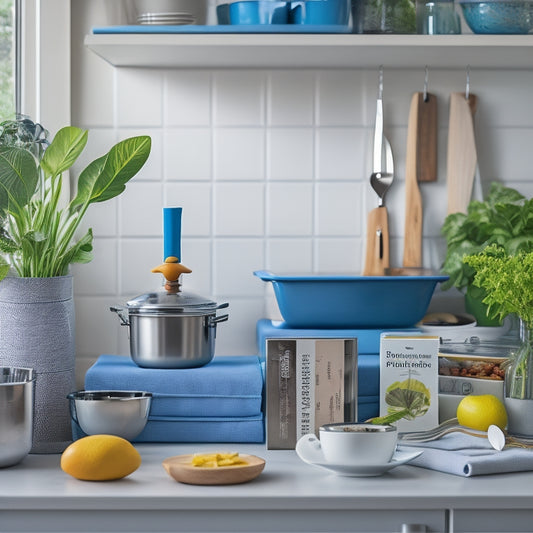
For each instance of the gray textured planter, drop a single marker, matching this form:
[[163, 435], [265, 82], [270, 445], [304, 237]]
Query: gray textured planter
[[37, 331]]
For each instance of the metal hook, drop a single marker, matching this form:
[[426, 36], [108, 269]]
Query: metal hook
[[380, 83], [426, 78], [467, 90]]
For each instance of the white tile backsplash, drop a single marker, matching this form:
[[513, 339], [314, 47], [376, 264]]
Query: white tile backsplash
[[239, 209], [239, 98], [289, 255], [336, 103], [239, 153], [341, 153], [291, 98], [187, 154], [339, 209], [272, 169], [339, 256], [234, 262], [187, 99], [196, 201], [137, 257], [290, 153], [139, 97], [141, 212], [290, 209], [100, 276]]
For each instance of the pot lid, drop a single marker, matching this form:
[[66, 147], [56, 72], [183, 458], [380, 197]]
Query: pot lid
[[163, 301]]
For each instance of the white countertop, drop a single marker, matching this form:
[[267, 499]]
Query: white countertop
[[39, 482], [287, 484]]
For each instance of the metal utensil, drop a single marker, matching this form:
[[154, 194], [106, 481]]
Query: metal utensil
[[16, 413], [494, 435], [121, 413], [377, 241]]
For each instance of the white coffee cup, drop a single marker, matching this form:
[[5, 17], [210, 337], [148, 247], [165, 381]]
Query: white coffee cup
[[352, 444]]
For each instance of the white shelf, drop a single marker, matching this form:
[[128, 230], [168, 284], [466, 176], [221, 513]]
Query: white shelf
[[312, 50]]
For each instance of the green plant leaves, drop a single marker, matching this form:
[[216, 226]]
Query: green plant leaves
[[505, 218], [18, 177], [65, 148], [107, 176], [37, 235], [507, 280]]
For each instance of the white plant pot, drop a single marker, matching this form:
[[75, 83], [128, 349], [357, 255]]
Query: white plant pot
[[520, 416]]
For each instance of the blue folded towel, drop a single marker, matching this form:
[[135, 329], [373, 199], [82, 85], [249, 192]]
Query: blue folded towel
[[229, 386], [190, 429]]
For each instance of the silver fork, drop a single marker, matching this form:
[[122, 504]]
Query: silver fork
[[452, 425]]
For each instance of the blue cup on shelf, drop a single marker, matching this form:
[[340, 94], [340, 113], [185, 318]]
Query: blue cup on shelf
[[223, 14], [321, 12], [258, 12]]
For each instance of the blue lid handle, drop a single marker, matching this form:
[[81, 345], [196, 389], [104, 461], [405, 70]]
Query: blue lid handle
[[172, 233]]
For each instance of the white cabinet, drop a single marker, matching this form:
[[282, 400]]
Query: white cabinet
[[312, 50], [492, 521]]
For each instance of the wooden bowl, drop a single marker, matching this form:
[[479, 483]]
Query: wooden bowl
[[180, 468]]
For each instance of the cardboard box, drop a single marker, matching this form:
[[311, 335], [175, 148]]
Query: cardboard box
[[309, 382], [409, 380]]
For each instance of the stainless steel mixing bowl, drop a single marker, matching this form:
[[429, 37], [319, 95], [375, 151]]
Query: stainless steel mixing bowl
[[120, 413], [16, 414]]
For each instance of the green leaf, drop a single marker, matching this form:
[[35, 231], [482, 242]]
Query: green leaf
[[63, 151], [7, 244], [81, 251], [505, 218], [390, 418], [18, 177], [4, 268], [106, 177]]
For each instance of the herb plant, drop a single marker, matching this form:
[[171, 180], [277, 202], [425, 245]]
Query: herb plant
[[507, 280], [508, 284], [37, 233], [505, 218]]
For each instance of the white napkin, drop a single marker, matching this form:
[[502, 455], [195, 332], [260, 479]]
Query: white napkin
[[464, 455]]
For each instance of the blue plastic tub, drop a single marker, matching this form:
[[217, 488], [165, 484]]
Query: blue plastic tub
[[336, 301]]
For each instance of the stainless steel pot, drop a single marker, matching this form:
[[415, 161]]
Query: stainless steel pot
[[171, 330], [16, 414]]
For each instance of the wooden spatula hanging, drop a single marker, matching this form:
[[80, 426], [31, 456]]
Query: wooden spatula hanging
[[420, 166], [462, 154]]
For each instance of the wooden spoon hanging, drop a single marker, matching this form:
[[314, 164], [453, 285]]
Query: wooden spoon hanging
[[462, 154], [420, 165]]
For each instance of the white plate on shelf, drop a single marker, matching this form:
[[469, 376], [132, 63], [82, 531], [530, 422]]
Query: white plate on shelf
[[316, 458]]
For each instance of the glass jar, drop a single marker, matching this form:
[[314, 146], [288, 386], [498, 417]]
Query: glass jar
[[437, 17], [384, 16], [519, 374]]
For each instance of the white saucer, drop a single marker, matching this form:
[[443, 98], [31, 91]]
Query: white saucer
[[399, 458]]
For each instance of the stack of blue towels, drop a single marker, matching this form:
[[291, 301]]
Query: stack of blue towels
[[219, 402]]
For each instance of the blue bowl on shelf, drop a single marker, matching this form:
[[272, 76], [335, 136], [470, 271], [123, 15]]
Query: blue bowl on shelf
[[498, 17], [254, 12], [320, 12]]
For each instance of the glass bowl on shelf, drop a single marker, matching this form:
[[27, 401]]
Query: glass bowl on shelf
[[498, 17]]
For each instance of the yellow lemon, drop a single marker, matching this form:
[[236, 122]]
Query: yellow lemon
[[100, 458], [481, 411]]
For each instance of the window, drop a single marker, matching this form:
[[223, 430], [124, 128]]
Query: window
[[8, 56]]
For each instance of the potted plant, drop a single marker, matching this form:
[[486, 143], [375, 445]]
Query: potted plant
[[38, 243], [508, 283], [505, 218]]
